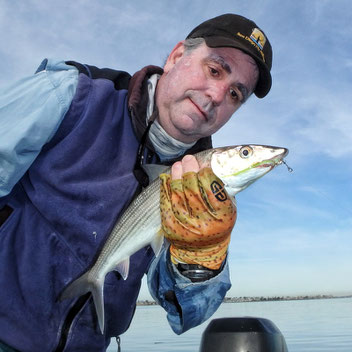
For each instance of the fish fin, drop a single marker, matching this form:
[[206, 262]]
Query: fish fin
[[157, 243], [83, 285], [123, 268], [98, 299], [153, 170]]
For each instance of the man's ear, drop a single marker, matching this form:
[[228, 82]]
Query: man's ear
[[175, 55]]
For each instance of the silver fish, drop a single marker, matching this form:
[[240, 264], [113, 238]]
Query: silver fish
[[236, 166]]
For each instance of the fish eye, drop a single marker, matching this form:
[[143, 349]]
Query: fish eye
[[246, 152]]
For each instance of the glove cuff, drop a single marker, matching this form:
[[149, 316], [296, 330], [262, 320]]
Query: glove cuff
[[210, 257]]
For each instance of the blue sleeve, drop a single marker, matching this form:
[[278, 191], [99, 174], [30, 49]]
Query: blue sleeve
[[196, 302], [31, 111]]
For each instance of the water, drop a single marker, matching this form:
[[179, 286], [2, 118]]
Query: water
[[323, 325]]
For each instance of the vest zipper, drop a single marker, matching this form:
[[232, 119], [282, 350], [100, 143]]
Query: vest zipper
[[66, 326]]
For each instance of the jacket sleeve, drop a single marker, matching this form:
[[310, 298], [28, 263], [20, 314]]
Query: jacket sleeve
[[187, 303], [31, 111]]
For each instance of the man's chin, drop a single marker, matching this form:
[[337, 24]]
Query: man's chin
[[186, 129], [187, 135]]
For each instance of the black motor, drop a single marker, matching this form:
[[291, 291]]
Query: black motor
[[246, 334]]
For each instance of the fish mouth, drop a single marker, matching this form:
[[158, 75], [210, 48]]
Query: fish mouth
[[267, 164], [274, 161]]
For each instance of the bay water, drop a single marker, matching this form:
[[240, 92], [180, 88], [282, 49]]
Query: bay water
[[323, 325]]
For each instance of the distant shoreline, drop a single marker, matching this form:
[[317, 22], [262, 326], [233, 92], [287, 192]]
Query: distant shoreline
[[280, 298], [261, 299]]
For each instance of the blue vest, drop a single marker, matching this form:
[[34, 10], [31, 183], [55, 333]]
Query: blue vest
[[64, 208]]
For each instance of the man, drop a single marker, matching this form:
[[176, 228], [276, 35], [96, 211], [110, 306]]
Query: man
[[72, 143]]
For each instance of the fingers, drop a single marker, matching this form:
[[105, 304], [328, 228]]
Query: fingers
[[176, 171], [190, 163], [187, 164]]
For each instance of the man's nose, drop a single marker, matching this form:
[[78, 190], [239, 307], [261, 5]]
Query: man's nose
[[217, 92]]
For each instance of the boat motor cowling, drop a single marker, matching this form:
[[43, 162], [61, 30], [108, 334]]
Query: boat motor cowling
[[243, 334]]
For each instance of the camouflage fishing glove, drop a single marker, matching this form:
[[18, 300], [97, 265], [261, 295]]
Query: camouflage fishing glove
[[197, 218]]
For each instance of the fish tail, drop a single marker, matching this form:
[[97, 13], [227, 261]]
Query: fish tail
[[86, 284]]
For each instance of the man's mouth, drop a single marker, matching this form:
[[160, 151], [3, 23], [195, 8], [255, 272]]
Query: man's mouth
[[201, 111]]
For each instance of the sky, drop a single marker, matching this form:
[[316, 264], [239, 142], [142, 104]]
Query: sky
[[294, 230]]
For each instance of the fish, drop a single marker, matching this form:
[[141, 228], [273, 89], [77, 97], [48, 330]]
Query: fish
[[236, 166]]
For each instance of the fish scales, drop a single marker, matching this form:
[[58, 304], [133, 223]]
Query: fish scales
[[141, 228]]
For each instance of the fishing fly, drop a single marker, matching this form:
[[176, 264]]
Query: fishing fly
[[288, 167]]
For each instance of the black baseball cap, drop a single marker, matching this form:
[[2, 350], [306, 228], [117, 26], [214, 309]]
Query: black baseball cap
[[230, 30]]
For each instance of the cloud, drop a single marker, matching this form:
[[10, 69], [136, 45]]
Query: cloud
[[326, 120], [112, 34]]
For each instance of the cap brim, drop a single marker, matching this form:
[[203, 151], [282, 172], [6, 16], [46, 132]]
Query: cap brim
[[264, 82]]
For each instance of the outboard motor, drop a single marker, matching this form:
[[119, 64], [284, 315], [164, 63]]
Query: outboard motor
[[246, 334]]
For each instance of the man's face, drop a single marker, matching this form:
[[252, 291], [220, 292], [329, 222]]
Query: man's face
[[201, 89]]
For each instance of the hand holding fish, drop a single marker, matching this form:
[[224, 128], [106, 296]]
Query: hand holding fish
[[197, 214]]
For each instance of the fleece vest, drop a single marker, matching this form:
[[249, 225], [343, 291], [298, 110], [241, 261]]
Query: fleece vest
[[64, 208]]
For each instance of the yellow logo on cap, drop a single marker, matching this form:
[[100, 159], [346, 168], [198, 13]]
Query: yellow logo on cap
[[258, 37]]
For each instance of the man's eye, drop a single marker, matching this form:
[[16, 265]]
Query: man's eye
[[233, 94], [213, 71]]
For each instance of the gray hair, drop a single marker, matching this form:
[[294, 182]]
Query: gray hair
[[192, 43]]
